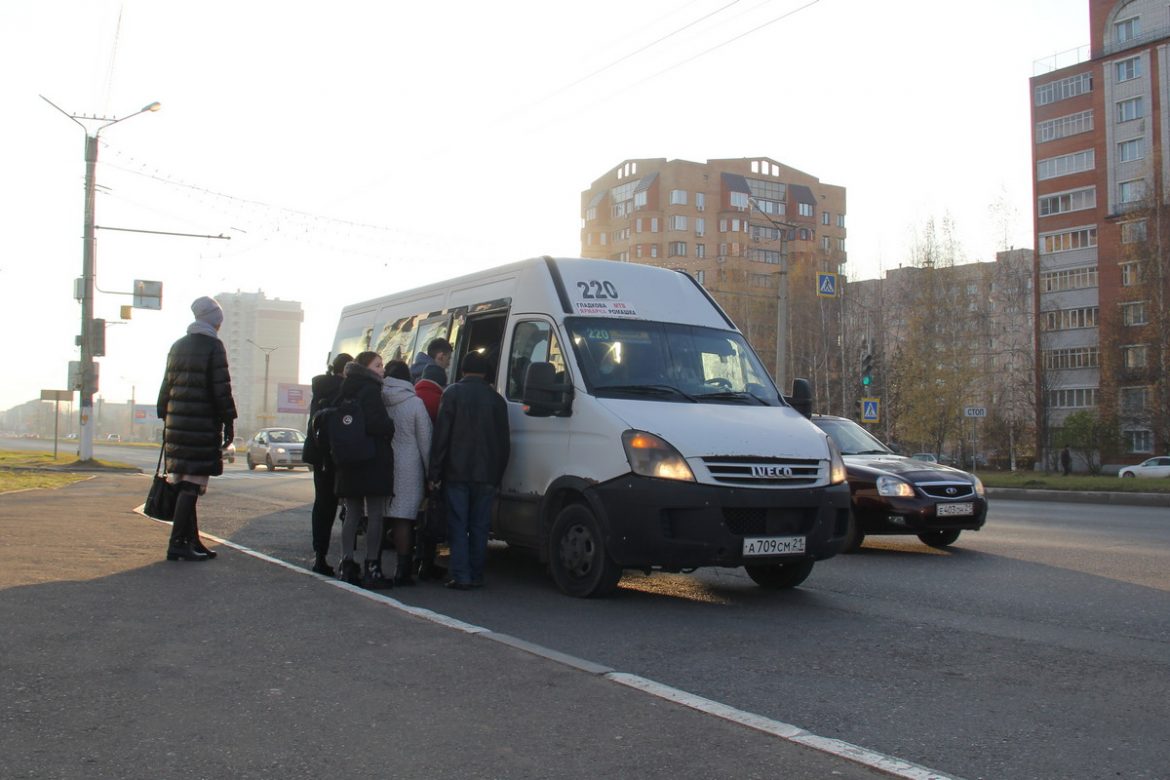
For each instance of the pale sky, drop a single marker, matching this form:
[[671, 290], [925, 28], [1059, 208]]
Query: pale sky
[[351, 149]]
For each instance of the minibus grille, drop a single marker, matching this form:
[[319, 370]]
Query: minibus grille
[[764, 472]]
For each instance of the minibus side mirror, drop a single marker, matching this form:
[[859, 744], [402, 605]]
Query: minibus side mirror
[[544, 395], [801, 398]]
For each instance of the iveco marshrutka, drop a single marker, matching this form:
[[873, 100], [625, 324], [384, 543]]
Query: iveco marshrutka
[[646, 434]]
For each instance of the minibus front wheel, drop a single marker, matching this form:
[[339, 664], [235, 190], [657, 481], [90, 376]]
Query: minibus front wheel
[[777, 576], [578, 560]]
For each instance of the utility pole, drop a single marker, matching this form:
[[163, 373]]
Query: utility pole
[[89, 337], [267, 357]]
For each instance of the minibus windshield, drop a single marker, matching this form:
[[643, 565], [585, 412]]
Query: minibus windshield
[[665, 361]]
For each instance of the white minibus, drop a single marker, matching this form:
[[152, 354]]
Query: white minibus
[[646, 433]]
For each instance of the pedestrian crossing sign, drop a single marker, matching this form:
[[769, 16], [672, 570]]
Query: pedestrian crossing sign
[[871, 410], [827, 285]]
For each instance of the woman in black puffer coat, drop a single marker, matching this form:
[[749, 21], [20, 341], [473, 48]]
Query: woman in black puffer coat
[[366, 487], [195, 401]]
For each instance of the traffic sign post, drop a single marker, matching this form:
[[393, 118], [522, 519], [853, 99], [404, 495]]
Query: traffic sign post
[[56, 396], [871, 409], [976, 413]]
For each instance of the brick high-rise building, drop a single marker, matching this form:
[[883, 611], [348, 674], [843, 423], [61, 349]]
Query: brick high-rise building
[[738, 226], [1100, 132]]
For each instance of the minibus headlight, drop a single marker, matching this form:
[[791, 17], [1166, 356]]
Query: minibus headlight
[[651, 456], [837, 473], [892, 486]]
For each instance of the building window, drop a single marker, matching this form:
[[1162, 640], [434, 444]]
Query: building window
[[678, 222], [1135, 356], [678, 197], [1128, 69], [1073, 398], [1068, 241], [1065, 164], [1131, 274], [765, 256], [590, 213], [1064, 88], [805, 209], [1069, 319], [653, 224], [638, 250], [1128, 151], [1068, 279], [1135, 400], [826, 218], [763, 233], [640, 200], [1064, 126], [638, 225], [840, 245], [700, 201], [604, 238], [700, 226], [1139, 440], [1077, 200], [1133, 313], [654, 250], [1131, 191], [1133, 232], [1127, 29], [739, 200], [701, 276], [826, 243], [840, 220], [1074, 357], [1128, 110], [678, 248], [700, 250]]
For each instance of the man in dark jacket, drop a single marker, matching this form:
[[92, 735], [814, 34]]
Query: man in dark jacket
[[326, 388], [195, 401], [438, 354], [469, 452]]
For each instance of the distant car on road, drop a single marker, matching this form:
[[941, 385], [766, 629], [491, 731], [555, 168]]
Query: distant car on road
[[114, 437], [925, 456], [276, 447], [893, 494], [1153, 467]]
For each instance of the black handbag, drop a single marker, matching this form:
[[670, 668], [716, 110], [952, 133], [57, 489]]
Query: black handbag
[[160, 501]]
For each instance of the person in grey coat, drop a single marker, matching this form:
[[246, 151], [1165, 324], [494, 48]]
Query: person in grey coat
[[412, 449], [195, 402]]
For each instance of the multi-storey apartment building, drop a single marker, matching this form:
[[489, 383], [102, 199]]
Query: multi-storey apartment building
[[946, 337], [1100, 129], [753, 231], [263, 341]]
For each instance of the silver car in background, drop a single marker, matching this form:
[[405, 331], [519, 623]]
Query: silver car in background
[[274, 447]]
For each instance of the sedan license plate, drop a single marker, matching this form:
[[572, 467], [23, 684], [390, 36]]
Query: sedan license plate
[[773, 545], [955, 510]]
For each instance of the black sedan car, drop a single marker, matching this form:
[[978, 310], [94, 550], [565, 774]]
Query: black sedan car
[[893, 494]]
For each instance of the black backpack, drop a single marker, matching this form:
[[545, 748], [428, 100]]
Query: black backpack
[[316, 452], [344, 427]]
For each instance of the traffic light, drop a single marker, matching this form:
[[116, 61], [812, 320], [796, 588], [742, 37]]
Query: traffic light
[[867, 369]]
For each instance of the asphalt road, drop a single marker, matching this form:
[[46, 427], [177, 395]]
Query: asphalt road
[[1036, 648]]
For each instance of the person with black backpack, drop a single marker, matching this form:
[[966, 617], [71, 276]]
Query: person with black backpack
[[326, 387], [360, 433]]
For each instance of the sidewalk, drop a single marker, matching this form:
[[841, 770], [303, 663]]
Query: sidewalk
[[117, 663]]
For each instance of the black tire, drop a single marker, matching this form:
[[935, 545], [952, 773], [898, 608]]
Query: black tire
[[578, 560], [1128, 475], [779, 576], [939, 539], [853, 536], [268, 464], [251, 463]]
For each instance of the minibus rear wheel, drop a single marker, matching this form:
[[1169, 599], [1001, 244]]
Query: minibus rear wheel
[[777, 576], [578, 560]]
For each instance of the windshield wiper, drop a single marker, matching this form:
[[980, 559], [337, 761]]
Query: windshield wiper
[[648, 390], [733, 395]]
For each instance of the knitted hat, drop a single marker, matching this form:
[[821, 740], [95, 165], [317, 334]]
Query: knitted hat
[[208, 310]]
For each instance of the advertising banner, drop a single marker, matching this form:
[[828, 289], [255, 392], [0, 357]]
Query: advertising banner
[[293, 399]]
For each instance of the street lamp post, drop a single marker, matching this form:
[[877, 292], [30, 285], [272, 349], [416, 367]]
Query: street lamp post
[[267, 357], [88, 269]]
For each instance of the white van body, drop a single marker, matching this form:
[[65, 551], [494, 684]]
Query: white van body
[[646, 433]]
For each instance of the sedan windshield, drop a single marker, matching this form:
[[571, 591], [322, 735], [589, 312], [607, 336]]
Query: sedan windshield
[[668, 362], [285, 437], [851, 438]]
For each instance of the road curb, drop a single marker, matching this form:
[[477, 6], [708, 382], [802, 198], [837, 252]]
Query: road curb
[[1081, 497]]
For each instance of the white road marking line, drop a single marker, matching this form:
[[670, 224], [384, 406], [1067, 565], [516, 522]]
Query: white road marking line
[[786, 731]]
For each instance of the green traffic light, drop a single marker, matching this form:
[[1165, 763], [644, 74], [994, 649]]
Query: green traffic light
[[866, 380]]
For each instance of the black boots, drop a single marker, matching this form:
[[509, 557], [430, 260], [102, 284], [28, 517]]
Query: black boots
[[402, 572], [348, 572], [372, 578], [181, 547], [321, 566], [196, 542]]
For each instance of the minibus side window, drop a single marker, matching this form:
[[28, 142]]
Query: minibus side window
[[533, 341], [428, 331], [396, 338]]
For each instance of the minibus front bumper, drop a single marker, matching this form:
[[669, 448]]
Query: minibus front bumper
[[673, 525]]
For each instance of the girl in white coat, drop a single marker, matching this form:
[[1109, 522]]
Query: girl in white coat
[[412, 451]]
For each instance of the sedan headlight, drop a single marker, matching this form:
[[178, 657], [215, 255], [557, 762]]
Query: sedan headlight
[[837, 473], [652, 456], [892, 486], [979, 491], [281, 450]]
